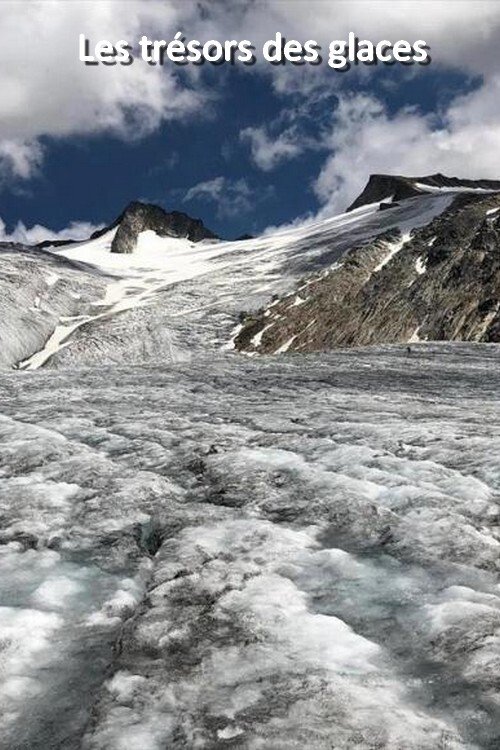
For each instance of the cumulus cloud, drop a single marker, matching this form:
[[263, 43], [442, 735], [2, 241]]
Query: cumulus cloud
[[77, 230], [211, 189], [301, 126], [47, 91], [20, 158], [461, 34], [231, 197], [267, 152], [365, 138]]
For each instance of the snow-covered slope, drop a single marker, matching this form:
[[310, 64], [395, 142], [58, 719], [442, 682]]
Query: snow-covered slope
[[37, 291], [181, 297]]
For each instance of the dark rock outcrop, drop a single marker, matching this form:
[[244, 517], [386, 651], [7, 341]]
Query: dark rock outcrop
[[381, 187], [139, 217], [94, 236], [55, 243], [387, 206]]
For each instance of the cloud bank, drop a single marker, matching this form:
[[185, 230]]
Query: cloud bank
[[77, 230], [464, 141]]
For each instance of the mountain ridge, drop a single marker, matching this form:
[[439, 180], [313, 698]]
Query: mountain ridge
[[139, 216], [381, 187], [437, 282]]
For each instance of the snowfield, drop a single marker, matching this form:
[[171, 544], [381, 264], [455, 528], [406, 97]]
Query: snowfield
[[199, 549]]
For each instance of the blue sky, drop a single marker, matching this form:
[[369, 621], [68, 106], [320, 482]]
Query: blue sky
[[242, 148]]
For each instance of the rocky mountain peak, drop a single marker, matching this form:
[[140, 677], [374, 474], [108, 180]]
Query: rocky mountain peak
[[139, 217], [381, 187]]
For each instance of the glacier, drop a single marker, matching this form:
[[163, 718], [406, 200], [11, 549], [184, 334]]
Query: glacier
[[205, 549]]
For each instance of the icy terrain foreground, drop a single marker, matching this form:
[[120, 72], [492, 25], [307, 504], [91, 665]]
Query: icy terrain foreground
[[291, 552]]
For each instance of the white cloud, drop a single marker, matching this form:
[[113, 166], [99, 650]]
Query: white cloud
[[268, 152], [77, 230], [299, 127], [231, 197], [464, 140], [210, 189], [47, 91], [20, 158], [461, 34]]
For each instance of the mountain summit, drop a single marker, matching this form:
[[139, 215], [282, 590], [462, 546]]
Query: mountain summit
[[385, 187], [139, 217], [425, 269]]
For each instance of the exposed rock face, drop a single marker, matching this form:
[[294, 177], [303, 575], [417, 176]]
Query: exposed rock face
[[441, 283], [139, 217], [380, 187]]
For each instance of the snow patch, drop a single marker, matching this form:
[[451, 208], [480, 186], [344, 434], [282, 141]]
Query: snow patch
[[394, 248], [298, 301], [51, 279], [231, 344], [414, 338], [420, 265], [257, 339], [286, 346], [445, 189], [228, 733]]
